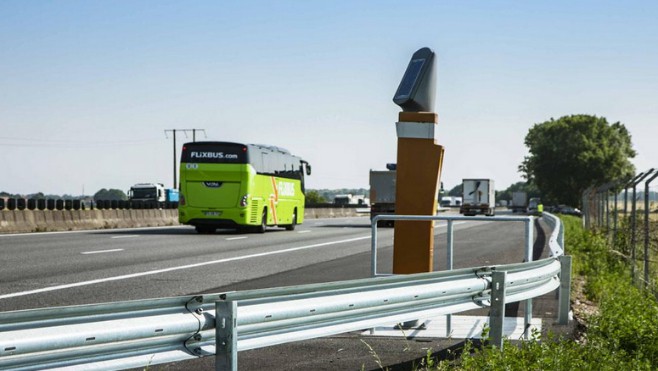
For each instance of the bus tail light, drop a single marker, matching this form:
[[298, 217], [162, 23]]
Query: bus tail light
[[181, 200], [245, 200]]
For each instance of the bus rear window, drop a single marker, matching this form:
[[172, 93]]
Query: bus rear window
[[226, 153]]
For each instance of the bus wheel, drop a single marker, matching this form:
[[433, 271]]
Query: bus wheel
[[263, 223], [291, 227]]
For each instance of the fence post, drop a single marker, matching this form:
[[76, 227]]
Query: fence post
[[647, 226], [583, 199], [602, 209], [634, 223], [226, 346], [564, 298], [614, 219], [607, 212], [497, 313], [587, 207]]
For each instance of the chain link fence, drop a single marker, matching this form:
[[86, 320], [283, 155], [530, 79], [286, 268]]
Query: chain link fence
[[627, 212]]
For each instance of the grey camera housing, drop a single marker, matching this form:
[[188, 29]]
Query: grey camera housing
[[417, 90]]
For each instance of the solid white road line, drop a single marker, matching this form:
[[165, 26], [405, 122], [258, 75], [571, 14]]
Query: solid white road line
[[182, 267], [236, 238], [99, 251], [306, 231]]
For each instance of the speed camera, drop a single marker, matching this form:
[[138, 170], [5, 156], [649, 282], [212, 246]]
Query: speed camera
[[417, 90]]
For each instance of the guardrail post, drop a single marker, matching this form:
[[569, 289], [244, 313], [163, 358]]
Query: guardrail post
[[529, 242], [450, 247], [373, 246], [564, 301], [226, 347], [497, 313]]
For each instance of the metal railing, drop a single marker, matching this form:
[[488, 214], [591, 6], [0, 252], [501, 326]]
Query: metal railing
[[140, 333], [526, 220]]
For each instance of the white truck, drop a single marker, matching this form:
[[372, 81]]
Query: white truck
[[152, 192], [147, 192], [382, 194], [519, 202], [478, 197], [450, 201], [350, 199]]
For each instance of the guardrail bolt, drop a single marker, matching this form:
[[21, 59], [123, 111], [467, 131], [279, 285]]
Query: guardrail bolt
[[197, 337], [197, 351], [198, 310]]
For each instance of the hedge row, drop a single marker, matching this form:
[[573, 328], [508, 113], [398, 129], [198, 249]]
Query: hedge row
[[51, 204]]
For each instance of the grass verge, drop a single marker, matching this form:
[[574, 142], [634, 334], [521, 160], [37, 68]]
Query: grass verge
[[621, 335]]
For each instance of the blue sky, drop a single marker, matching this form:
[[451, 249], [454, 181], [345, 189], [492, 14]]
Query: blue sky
[[87, 88]]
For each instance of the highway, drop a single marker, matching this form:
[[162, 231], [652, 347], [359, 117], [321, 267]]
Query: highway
[[68, 268]]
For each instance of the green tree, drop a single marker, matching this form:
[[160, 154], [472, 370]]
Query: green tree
[[574, 152], [456, 191], [314, 197], [526, 187], [110, 194]]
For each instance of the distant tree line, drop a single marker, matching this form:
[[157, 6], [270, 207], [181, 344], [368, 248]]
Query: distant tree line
[[326, 196], [41, 196], [110, 194], [103, 194]]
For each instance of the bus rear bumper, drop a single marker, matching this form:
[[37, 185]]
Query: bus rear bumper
[[223, 218]]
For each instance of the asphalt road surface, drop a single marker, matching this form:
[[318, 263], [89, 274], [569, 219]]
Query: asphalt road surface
[[69, 268]]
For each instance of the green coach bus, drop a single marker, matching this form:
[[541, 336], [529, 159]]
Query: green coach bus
[[242, 186]]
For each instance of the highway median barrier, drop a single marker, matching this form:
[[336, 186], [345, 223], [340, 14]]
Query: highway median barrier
[[60, 215]]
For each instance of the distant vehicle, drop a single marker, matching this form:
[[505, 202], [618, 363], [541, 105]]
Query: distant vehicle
[[568, 210], [172, 195], [242, 186], [350, 199], [450, 201], [152, 192], [382, 193], [479, 197], [519, 202], [533, 204]]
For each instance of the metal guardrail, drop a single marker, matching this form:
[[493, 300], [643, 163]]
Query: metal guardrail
[[140, 333], [528, 244]]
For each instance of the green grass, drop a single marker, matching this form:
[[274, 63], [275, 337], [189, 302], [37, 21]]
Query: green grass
[[623, 335]]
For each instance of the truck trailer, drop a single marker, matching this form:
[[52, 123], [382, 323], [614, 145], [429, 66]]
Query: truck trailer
[[478, 197], [382, 194], [519, 202]]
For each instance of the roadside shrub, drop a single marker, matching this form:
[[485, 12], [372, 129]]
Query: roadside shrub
[[547, 355], [628, 322], [623, 335]]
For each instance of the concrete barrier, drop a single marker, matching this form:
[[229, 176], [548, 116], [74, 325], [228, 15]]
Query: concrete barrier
[[26, 221]]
